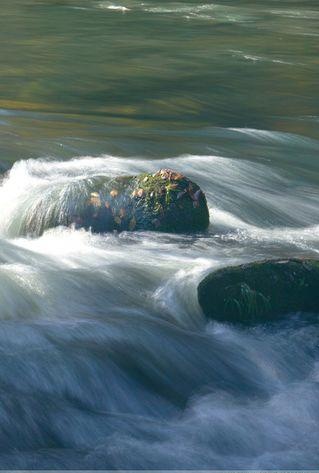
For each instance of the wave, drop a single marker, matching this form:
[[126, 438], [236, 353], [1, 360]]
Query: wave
[[108, 6], [257, 194], [132, 392], [95, 272]]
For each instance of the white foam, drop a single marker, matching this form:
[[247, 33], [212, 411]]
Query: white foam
[[119, 8]]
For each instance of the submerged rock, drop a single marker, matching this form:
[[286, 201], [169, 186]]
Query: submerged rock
[[261, 291], [165, 201]]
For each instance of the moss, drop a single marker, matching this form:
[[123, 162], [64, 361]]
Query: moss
[[250, 304], [158, 191], [155, 190]]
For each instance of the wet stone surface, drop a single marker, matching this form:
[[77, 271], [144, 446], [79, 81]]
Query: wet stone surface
[[261, 291], [165, 201]]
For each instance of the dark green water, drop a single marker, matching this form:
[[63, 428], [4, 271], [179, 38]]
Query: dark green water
[[106, 358], [78, 77]]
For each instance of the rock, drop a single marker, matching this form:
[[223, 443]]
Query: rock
[[261, 291], [165, 201]]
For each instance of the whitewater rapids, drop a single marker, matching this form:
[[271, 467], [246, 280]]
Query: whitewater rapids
[[106, 358]]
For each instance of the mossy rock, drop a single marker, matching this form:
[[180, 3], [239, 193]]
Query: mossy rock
[[261, 291], [165, 201]]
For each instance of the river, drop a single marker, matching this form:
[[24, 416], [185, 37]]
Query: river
[[107, 361]]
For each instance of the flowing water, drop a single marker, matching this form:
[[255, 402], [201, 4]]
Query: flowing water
[[106, 358]]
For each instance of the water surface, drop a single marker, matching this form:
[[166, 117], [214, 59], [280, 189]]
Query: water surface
[[107, 360]]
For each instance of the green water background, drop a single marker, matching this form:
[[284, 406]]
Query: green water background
[[155, 78]]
